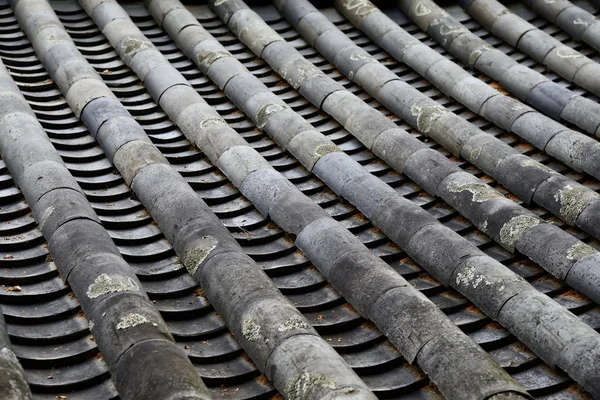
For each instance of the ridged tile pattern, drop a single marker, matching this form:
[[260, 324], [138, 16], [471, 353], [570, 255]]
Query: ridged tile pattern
[[50, 333]]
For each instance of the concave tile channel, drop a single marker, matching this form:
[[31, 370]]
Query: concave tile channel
[[360, 344], [249, 58]]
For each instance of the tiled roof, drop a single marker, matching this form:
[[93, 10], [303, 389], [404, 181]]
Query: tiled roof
[[251, 201]]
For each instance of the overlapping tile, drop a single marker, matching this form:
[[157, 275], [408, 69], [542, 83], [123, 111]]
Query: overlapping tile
[[577, 22], [239, 290], [493, 156], [270, 191], [262, 244], [125, 323], [260, 38], [542, 47]]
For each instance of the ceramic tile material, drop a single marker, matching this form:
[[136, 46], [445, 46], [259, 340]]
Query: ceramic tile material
[[326, 200]]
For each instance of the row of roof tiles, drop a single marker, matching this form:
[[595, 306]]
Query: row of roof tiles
[[201, 251], [460, 189], [367, 124], [327, 246], [126, 326], [235, 174], [237, 288]]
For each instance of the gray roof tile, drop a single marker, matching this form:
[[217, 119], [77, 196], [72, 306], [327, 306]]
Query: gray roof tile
[[170, 176]]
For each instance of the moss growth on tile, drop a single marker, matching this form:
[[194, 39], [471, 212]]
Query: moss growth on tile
[[426, 116], [131, 320], [480, 191], [478, 52], [212, 121], [304, 384], [9, 355], [515, 228], [250, 329], [361, 8], [266, 111], [207, 58], [303, 69], [572, 202], [194, 257], [293, 323], [579, 251], [422, 10], [105, 284], [324, 149], [133, 45], [537, 165]]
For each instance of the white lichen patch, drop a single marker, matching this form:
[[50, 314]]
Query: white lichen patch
[[131, 320], [47, 213], [194, 257], [367, 58], [205, 123], [293, 323], [579, 21], [266, 111], [568, 54], [133, 45], [257, 36], [409, 46], [205, 59], [484, 226], [362, 57], [305, 383], [361, 8], [572, 202], [467, 277], [451, 30], [534, 164], [323, 149], [515, 228], [478, 52], [426, 116], [250, 329], [421, 9], [105, 284], [265, 38], [475, 153], [579, 251], [480, 191], [90, 325], [296, 71], [176, 266], [9, 355]]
